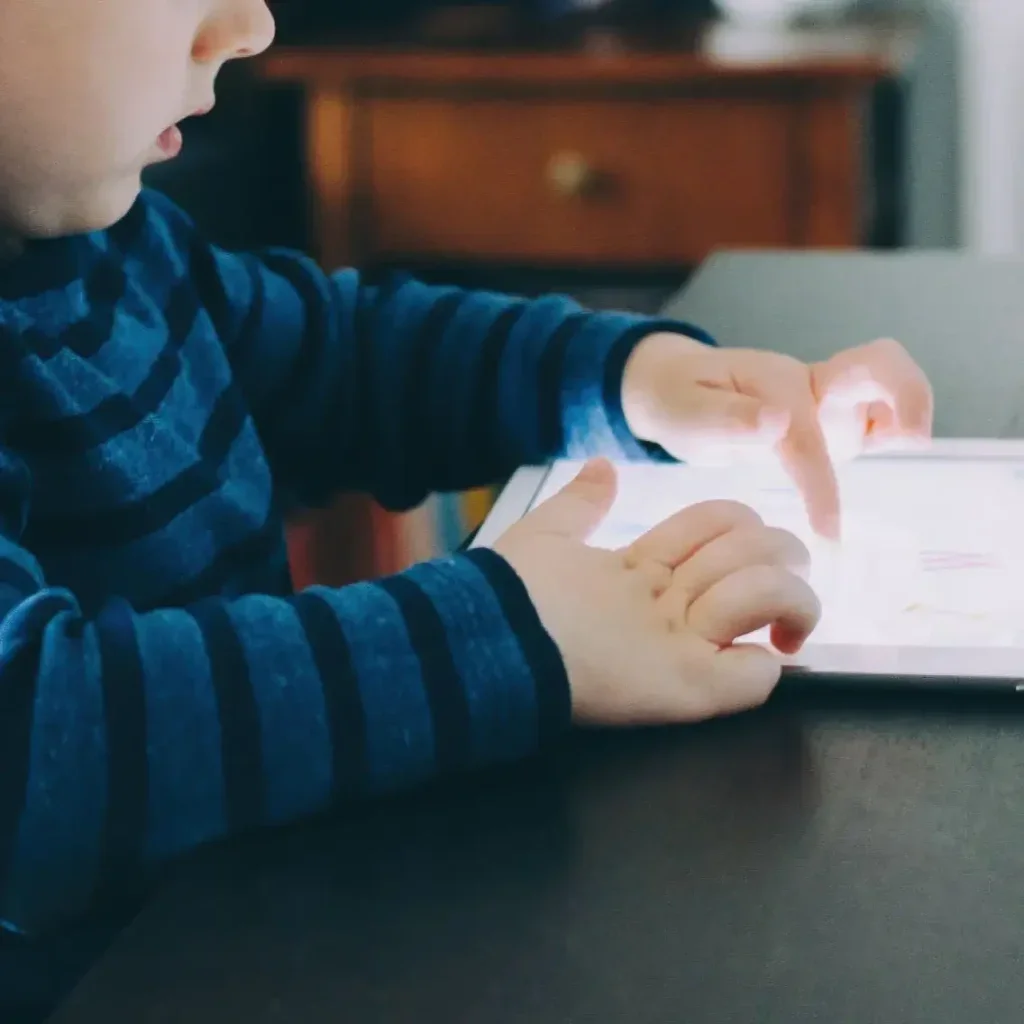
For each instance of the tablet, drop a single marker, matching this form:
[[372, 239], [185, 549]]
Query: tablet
[[927, 584]]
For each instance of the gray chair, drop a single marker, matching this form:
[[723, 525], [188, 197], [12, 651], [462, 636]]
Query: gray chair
[[961, 317]]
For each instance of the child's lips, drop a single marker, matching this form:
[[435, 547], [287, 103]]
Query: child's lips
[[169, 141]]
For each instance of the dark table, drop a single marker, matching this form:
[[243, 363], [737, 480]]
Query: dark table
[[834, 857]]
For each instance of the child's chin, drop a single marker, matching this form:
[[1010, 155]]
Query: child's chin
[[109, 206], [80, 214]]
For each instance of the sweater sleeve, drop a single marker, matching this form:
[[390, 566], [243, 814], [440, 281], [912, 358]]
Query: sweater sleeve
[[127, 738], [402, 388]]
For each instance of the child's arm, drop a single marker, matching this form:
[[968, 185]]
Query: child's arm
[[404, 389], [128, 738]]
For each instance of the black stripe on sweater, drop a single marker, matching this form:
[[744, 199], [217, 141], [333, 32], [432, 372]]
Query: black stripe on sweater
[[283, 408], [240, 733], [121, 524], [124, 706], [70, 436], [421, 390], [551, 383], [237, 335], [105, 286], [449, 707], [18, 673], [360, 433], [481, 430], [554, 698], [346, 716]]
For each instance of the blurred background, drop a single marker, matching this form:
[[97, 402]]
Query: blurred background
[[602, 148]]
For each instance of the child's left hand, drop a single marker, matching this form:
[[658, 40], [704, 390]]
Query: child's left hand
[[704, 404]]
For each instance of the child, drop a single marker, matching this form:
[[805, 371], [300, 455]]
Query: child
[[164, 403]]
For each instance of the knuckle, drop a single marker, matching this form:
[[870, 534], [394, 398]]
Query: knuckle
[[656, 577], [796, 596], [773, 546], [887, 346], [731, 514], [659, 579], [792, 552], [813, 601], [780, 587]]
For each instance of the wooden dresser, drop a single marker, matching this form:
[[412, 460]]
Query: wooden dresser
[[609, 151]]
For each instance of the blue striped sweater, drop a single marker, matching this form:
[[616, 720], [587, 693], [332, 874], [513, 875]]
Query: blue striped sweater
[[163, 404]]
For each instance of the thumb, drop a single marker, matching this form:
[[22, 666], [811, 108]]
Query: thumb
[[579, 507]]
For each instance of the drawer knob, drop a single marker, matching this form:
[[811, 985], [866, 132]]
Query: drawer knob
[[570, 175]]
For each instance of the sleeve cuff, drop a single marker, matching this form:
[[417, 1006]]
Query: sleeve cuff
[[539, 651], [595, 421]]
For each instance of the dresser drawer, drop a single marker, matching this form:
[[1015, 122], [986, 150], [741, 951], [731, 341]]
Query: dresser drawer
[[590, 181]]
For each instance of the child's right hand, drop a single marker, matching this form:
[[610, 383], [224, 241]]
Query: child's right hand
[[647, 632]]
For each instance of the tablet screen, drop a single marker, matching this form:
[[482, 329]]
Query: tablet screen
[[932, 552]]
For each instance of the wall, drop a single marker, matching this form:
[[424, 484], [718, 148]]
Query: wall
[[933, 114], [933, 128], [993, 120]]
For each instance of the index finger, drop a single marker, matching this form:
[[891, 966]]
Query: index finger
[[676, 539], [786, 383], [804, 455], [752, 598]]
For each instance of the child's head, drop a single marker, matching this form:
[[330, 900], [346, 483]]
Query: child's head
[[88, 86]]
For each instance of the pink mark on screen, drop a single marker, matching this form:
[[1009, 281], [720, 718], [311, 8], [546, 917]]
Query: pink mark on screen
[[951, 561]]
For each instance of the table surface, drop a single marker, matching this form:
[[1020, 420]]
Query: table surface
[[833, 857]]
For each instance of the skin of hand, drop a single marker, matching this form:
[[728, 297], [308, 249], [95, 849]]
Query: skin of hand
[[707, 405], [649, 634]]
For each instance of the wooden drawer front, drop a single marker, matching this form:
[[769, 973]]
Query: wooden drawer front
[[604, 181]]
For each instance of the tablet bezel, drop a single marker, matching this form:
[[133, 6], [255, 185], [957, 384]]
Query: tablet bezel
[[988, 667]]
